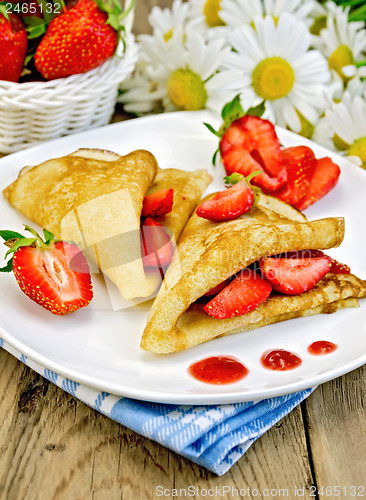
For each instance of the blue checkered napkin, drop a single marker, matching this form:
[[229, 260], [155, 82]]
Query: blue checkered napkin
[[212, 436]]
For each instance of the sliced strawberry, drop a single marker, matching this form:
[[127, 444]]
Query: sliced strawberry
[[300, 163], [242, 295], [325, 177], [295, 272], [156, 245], [228, 204], [336, 267], [251, 144], [216, 289], [47, 276], [158, 203]]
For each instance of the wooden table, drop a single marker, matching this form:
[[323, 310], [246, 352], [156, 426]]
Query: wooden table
[[54, 447]]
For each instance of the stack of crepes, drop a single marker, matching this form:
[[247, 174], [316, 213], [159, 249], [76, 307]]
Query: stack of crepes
[[209, 253], [95, 199]]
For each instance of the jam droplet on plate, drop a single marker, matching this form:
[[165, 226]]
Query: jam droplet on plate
[[322, 347], [280, 360], [218, 370]]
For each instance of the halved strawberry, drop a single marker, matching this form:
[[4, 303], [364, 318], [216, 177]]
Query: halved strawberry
[[251, 144], [216, 289], [295, 272], [158, 203], [228, 204], [300, 163], [247, 290], [325, 177], [156, 245], [53, 273]]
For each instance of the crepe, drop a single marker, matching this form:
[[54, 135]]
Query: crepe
[[209, 253], [95, 197]]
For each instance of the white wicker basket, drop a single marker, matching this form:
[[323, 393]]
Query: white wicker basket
[[38, 111]]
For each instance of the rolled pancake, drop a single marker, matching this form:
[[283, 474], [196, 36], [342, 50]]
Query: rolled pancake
[[209, 253], [94, 198]]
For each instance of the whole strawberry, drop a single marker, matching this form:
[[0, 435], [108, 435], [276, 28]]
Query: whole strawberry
[[76, 42], [13, 47], [53, 273]]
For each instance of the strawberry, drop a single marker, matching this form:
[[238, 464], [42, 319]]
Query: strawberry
[[76, 42], [243, 294], [156, 245], [13, 47], [216, 289], [53, 273], [228, 204], [300, 163], [251, 144], [158, 203], [324, 178], [295, 272], [335, 266]]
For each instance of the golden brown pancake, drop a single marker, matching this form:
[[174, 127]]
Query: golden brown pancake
[[209, 253], [95, 197]]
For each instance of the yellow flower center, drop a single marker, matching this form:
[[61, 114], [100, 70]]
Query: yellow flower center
[[186, 90], [211, 12], [341, 57], [307, 128], [273, 78], [318, 24], [358, 148], [168, 35]]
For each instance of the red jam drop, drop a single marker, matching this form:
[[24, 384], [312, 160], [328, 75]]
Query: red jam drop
[[280, 360], [322, 347], [218, 370]]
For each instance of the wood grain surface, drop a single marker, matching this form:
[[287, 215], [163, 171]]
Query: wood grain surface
[[53, 447]]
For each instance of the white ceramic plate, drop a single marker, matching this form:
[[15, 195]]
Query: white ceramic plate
[[100, 347]]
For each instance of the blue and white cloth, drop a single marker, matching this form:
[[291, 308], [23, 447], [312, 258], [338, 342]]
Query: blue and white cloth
[[214, 437]]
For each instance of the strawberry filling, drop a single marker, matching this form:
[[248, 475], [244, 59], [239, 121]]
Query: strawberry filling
[[291, 274]]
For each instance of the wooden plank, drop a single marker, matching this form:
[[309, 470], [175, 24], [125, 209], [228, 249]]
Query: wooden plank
[[336, 418], [55, 447]]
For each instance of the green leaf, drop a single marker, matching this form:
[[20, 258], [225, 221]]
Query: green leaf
[[253, 174], [214, 158], [211, 129], [28, 59], [257, 110], [232, 110], [22, 242], [48, 236], [32, 21], [8, 268], [10, 235], [233, 178], [36, 31], [31, 230]]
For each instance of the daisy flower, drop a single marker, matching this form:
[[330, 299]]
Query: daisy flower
[[345, 124], [165, 21], [182, 77], [238, 13], [342, 42], [208, 11], [278, 67]]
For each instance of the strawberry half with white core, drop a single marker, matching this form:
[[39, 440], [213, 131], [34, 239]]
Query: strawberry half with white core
[[53, 273], [242, 295], [230, 203], [248, 144], [295, 272]]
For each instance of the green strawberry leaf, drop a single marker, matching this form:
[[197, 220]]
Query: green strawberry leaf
[[232, 110], [10, 235], [214, 158], [211, 129], [8, 268], [233, 178], [257, 110], [21, 242], [36, 31], [48, 236], [32, 21]]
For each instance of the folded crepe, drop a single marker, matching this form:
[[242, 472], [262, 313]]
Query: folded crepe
[[210, 252], [95, 198]]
